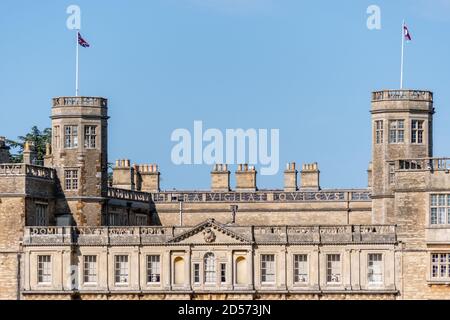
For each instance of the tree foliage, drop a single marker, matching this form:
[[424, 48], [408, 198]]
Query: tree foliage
[[36, 136]]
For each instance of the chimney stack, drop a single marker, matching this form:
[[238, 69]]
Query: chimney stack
[[246, 178], [123, 175], [148, 178], [220, 178], [290, 178], [310, 177]]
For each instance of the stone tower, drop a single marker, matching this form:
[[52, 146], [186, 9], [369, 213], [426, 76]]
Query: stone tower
[[79, 155], [402, 126]]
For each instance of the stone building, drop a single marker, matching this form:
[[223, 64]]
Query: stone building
[[65, 233]]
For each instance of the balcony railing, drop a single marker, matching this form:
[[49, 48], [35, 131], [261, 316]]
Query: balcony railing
[[424, 164], [411, 95], [79, 102], [53, 236], [21, 169]]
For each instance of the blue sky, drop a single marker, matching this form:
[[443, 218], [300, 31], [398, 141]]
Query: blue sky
[[304, 67]]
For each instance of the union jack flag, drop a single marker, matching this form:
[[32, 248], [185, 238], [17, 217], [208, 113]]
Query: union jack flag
[[82, 42]]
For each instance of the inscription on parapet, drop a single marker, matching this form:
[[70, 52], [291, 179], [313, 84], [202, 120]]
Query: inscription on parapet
[[260, 196]]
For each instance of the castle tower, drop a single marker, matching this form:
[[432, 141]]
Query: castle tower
[[402, 126], [79, 155]]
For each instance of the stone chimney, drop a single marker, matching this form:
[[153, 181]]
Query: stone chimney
[[29, 153], [147, 178], [246, 178], [4, 151], [290, 178], [220, 178], [310, 177], [123, 175]]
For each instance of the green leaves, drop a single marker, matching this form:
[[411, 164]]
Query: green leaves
[[36, 136]]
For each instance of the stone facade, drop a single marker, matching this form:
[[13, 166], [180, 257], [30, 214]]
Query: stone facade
[[66, 234]]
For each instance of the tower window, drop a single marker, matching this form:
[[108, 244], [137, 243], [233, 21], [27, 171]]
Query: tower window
[[89, 136], [379, 131], [440, 209], [417, 131], [41, 214], [397, 131], [70, 137], [71, 179], [56, 137], [392, 173]]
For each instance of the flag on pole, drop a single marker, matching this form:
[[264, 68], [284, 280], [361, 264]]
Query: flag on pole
[[82, 42], [406, 32]]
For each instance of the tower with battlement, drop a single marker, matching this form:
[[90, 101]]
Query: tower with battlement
[[79, 156], [402, 126]]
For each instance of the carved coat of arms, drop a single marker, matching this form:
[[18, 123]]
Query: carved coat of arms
[[209, 235]]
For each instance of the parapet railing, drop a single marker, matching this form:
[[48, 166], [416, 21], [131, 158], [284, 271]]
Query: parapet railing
[[413, 95], [423, 164], [131, 195], [41, 236], [27, 170], [80, 101]]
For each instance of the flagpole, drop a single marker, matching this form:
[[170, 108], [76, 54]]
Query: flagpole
[[403, 51], [77, 66]]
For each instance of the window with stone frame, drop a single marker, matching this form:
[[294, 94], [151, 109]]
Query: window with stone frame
[[70, 137], [121, 269], [223, 272], [210, 268], [153, 268], [396, 131], [268, 268], [417, 131], [71, 179], [440, 266], [375, 268], [196, 273], [90, 269], [300, 268], [379, 132], [41, 217], [440, 209], [90, 137], [44, 269], [334, 268], [141, 220]]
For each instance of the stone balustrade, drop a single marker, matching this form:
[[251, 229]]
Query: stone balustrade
[[393, 95], [79, 102], [153, 235], [27, 170], [424, 164], [130, 195]]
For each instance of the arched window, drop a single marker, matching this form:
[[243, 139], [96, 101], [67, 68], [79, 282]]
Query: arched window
[[241, 270], [210, 268], [178, 270]]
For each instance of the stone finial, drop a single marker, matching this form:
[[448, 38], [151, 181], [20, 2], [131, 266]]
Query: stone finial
[[48, 149]]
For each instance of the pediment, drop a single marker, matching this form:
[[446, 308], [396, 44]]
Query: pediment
[[210, 232]]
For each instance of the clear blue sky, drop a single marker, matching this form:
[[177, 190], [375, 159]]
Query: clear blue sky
[[305, 67]]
